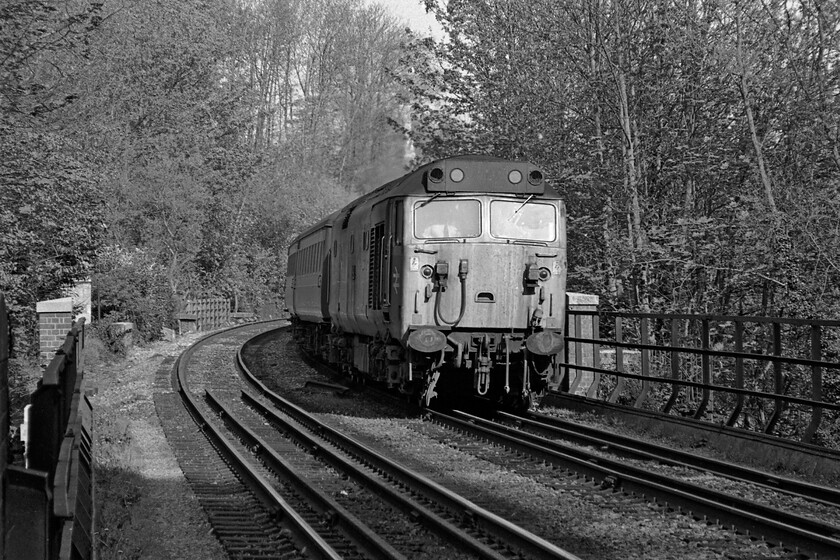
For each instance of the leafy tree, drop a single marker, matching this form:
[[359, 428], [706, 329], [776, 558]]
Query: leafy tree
[[675, 132], [50, 203]]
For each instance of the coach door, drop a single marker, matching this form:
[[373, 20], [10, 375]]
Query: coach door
[[324, 278], [395, 256]]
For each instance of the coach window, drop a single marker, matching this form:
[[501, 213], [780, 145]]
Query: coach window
[[532, 221], [440, 219]]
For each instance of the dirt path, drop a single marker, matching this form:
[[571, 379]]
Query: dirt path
[[146, 509]]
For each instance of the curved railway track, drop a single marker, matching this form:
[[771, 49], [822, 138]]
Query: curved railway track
[[298, 468], [623, 446], [347, 498], [802, 530], [797, 519]]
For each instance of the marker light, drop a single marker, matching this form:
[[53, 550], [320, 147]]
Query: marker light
[[457, 175], [514, 176], [426, 271], [545, 274]]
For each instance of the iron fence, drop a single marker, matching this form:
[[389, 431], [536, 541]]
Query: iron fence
[[779, 376]]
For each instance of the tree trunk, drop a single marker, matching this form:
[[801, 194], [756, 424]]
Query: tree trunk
[[743, 86]]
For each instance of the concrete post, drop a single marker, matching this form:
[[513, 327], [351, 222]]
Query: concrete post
[[580, 353]]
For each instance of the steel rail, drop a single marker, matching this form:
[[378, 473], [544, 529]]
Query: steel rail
[[360, 534], [773, 525], [358, 472], [306, 535], [627, 446], [531, 545]]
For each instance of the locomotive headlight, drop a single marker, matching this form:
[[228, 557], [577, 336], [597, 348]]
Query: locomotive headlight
[[426, 271], [457, 175], [515, 176]]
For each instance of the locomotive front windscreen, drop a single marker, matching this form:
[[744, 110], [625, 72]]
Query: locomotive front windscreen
[[523, 220], [436, 219]]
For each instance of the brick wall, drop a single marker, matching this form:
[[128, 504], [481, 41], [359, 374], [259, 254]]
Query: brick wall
[[55, 319]]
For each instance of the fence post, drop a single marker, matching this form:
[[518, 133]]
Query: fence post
[[620, 381], [739, 373], [706, 368], [816, 383], [778, 380], [645, 339], [675, 367]]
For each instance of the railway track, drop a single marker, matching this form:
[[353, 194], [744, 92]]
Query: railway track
[[794, 518], [247, 517], [355, 499], [558, 429], [802, 530], [297, 469]]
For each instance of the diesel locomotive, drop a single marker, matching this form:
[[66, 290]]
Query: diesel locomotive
[[448, 281]]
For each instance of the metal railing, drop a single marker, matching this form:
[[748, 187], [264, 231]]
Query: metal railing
[[48, 510], [758, 373]]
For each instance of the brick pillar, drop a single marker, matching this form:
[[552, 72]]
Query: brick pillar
[[55, 319]]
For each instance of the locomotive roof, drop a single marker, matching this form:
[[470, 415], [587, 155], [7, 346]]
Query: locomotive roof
[[457, 174], [494, 176]]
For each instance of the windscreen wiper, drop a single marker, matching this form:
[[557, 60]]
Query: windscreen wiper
[[431, 199], [515, 212]]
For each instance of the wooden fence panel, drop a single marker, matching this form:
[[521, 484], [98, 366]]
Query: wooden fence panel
[[208, 313]]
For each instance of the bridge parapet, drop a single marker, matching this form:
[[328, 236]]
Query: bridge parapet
[[47, 507]]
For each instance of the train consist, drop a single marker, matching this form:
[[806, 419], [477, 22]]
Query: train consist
[[448, 281]]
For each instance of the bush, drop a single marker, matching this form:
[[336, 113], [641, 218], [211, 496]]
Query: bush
[[24, 375], [132, 287], [117, 342]]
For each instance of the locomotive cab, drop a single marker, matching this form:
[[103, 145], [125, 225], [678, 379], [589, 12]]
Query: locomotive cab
[[484, 282]]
